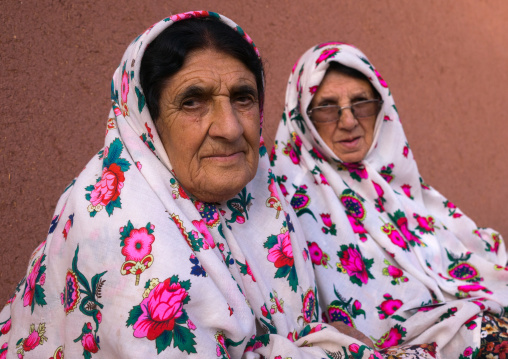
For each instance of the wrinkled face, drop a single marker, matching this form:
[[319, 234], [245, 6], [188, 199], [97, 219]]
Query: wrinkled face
[[350, 139], [210, 124]]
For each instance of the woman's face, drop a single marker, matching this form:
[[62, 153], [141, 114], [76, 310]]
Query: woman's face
[[210, 125], [349, 138]]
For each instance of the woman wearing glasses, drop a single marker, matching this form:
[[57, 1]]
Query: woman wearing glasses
[[393, 257]]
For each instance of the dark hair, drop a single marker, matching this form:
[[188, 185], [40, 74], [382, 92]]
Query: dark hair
[[349, 71], [165, 55]]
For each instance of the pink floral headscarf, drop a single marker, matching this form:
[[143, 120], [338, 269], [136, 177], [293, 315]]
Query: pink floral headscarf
[[133, 268], [392, 256]]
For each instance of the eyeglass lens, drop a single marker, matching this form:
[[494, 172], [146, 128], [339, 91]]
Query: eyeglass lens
[[331, 113]]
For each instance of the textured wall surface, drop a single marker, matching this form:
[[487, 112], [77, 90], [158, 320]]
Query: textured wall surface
[[446, 63]]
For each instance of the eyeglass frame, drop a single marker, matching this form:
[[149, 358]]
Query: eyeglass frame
[[340, 108]]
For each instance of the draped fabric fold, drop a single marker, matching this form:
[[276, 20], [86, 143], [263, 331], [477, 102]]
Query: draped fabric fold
[[392, 256]]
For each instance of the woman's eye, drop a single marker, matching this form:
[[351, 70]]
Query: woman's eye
[[191, 104], [244, 101]]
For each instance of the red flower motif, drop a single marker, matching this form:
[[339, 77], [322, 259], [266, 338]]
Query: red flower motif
[[138, 245], [108, 188], [381, 81], [30, 283], [316, 254], [89, 343], [203, 229], [6, 327], [407, 190], [282, 253], [389, 306], [125, 86], [326, 219], [390, 339], [501, 349], [160, 309], [352, 261], [32, 341]]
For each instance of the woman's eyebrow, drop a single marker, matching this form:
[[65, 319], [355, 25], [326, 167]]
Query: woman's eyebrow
[[190, 91], [244, 89]]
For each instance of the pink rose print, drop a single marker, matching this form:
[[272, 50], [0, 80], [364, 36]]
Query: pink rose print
[[356, 266], [68, 226], [313, 89], [381, 81], [6, 327], [137, 248], [399, 218], [395, 236], [327, 54], [323, 179], [386, 172], [389, 306], [3, 351], [296, 139], [329, 225], [282, 253], [316, 254], [32, 341], [392, 338], [395, 272], [203, 229], [326, 219], [188, 15], [160, 310], [473, 288], [88, 342], [468, 351], [358, 227], [405, 150], [354, 348], [138, 245], [99, 316], [108, 188], [378, 189], [289, 151], [407, 190], [425, 224], [357, 171], [471, 324], [125, 86], [28, 297]]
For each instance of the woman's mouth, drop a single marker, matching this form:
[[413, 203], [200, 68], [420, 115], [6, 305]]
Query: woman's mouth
[[350, 142]]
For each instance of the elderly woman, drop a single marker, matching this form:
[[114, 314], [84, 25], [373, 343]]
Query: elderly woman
[[393, 257], [173, 241]]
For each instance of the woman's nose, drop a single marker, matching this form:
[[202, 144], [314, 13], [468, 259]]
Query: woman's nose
[[224, 120], [347, 120]]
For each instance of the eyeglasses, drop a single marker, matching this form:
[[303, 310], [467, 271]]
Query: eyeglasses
[[332, 113]]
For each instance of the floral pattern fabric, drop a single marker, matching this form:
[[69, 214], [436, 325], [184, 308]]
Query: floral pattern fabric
[[132, 267], [392, 256]]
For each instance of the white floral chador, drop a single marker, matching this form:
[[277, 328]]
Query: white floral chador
[[392, 256]]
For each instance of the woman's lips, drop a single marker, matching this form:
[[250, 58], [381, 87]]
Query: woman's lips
[[350, 143], [223, 157]]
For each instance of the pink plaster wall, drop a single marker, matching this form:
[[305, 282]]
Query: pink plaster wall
[[446, 63]]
